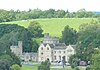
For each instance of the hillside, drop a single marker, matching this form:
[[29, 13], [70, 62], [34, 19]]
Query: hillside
[[54, 26]]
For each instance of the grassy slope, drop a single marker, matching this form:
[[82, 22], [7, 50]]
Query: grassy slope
[[54, 26]]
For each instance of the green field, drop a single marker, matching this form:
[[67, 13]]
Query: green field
[[24, 67], [54, 26]]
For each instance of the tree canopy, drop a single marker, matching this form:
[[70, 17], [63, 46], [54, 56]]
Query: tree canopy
[[69, 35], [12, 33], [35, 28], [6, 16]]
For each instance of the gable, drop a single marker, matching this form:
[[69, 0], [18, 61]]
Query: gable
[[70, 48]]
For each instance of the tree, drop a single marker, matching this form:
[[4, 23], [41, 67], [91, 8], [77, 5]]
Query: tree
[[35, 46], [4, 65], [88, 39], [15, 67], [6, 57], [44, 65], [69, 35], [89, 34], [73, 61], [60, 13], [95, 62], [35, 28], [12, 33], [81, 13]]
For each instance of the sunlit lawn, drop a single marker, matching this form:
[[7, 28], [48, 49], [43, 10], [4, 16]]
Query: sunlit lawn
[[35, 67], [54, 26]]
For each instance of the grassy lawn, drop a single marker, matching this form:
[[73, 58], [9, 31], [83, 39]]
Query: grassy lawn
[[25, 67], [54, 26]]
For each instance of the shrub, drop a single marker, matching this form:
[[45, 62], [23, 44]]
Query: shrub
[[15, 67], [76, 68], [87, 68], [42, 67]]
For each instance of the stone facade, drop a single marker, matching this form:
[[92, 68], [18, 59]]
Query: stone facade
[[49, 48], [25, 56], [17, 50], [52, 49]]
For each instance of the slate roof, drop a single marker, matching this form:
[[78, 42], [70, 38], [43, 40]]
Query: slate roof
[[56, 46], [60, 46]]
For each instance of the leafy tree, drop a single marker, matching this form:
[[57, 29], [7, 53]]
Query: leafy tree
[[5, 52], [35, 46], [88, 39], [15, 67], [35, 28], [95, 62], [89, 35], [44, 65], [13, 33], [69, 35], [81, 13], [6, 57], [4, 65], [6, 16], [60, 13], [73, 61]]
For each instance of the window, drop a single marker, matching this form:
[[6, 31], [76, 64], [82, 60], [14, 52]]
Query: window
[[54, 57], [41, 48], [64, 51], [59, 51], [47, 48], [42, 53], [59, 57]]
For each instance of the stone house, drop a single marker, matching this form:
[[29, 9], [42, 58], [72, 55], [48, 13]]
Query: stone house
[[52, 49], [25, 56], [17, 50]]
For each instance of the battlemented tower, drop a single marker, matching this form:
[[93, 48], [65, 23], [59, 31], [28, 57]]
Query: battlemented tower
[[17, 50]]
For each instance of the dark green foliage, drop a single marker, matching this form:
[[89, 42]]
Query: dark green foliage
[[6, 16], [12, 33], [73, 60], [44, 65], [69, 35], [88, 39], [35, 46], [7, 58], [76, 68], [89, 34], [16, 59], [15, 67], [88, 68], [35, 28], [4, 65], [95, 61]]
